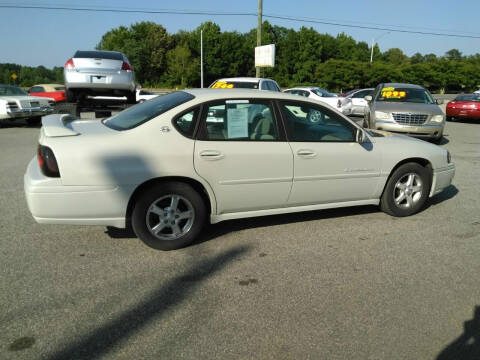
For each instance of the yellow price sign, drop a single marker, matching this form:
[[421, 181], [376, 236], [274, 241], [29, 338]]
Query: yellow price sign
[[222, 85], [14, 76], [391, 93]]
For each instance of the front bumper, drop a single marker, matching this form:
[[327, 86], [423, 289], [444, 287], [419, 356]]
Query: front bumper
[[429, 131], [442, 178], [50, 202], [29, 112]]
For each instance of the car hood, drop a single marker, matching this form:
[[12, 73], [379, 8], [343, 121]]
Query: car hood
[[24, 98], [432, 109]]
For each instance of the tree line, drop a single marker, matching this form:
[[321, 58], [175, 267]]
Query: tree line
[[303, 57]]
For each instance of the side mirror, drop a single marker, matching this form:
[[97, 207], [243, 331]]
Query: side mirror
[[368, 98], [439, 101], [361, 137]]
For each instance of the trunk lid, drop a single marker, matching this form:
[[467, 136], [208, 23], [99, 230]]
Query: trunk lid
[[62, 125]]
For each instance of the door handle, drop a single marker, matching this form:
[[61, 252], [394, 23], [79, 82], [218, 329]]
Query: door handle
[[307, 153], [211, 155]]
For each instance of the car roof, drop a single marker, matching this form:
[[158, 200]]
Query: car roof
[[243, 79], [403, 85], [214, 94]]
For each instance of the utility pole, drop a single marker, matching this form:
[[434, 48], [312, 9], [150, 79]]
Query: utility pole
[[259, 32], [201, 59], [373, 44]]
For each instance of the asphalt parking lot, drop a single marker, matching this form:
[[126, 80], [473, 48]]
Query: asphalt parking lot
[[349, 283]]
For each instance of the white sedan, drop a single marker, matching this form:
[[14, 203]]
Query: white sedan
[[354, 102], [16, 103], [169, 165], [318, 94]]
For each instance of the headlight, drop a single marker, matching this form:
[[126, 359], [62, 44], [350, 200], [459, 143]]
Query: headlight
[[380, 115], [449, 157], [436, 118]]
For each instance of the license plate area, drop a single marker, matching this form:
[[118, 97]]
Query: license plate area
[[34, 104], [98, 79]]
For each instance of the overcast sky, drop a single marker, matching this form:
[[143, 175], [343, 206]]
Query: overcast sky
[[49, 37]]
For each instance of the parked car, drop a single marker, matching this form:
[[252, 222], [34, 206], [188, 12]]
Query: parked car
[[407, 109], [52, 91], [354, 102], [144, 95], [464, 107], [245, 83], [318, 94], [107, 73], [16, 103], [166, 169]]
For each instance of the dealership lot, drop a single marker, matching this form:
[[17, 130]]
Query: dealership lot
[[336, 284]]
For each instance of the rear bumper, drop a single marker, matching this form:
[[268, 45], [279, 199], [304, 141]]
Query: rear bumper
[[442, 178], [429, 131], [121, 80], [50, 202]]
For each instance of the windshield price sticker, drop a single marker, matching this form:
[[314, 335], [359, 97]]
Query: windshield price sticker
[[222, 85], [391, 93]]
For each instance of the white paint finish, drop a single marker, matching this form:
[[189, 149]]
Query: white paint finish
[[101, 168], [337, 171], [247, 174]]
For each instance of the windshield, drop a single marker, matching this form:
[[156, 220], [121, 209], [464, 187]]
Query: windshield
[[473, 97], [411, 95], [322, 93], [11, 91], [221, 84], [141, 113]]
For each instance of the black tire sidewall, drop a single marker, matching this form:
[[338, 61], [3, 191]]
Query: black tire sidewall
[[152, 194], [388, 201]]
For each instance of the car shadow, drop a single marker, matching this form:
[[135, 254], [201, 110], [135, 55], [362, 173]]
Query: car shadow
[[466, 121], [467, 345], [448, 193], [165, 298], [6, 124]]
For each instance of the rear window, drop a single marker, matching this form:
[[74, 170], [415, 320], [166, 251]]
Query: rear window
[[234, 84], [98, 55], [141, 113]]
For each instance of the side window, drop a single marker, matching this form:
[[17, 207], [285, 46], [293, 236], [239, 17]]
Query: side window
[[264, 85], [305, 93], [306, 122], [37, 89], [275, 86], [359, 94], [185, 123], [240, 120]]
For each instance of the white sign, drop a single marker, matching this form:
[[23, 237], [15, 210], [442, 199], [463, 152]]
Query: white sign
[[265, 55], [237, 123]]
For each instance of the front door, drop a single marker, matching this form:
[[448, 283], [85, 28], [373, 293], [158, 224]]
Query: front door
[[329, 164], [241, 152]]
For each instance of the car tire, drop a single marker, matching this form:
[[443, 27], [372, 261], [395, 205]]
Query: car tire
[[449, 118], [70, 95], [406, 191], [132, 98], [174, 211]]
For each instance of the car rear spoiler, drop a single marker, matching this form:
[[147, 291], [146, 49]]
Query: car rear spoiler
[[56, 125]]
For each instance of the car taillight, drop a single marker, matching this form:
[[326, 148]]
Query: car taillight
[[47, 162], [126, 66], [69, 64]]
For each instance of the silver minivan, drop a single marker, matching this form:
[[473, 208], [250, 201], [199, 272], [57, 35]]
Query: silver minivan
[[406, 109], [91, 73]]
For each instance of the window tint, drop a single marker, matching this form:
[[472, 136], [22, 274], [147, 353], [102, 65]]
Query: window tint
[[361, 94], [99, 55], [306, 122], [265, 85], [275, 86], [138, 114], [185, 123], [7, 90], [241, 120], [37, 89]]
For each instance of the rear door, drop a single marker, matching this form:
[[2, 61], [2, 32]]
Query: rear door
[[241, 151]]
